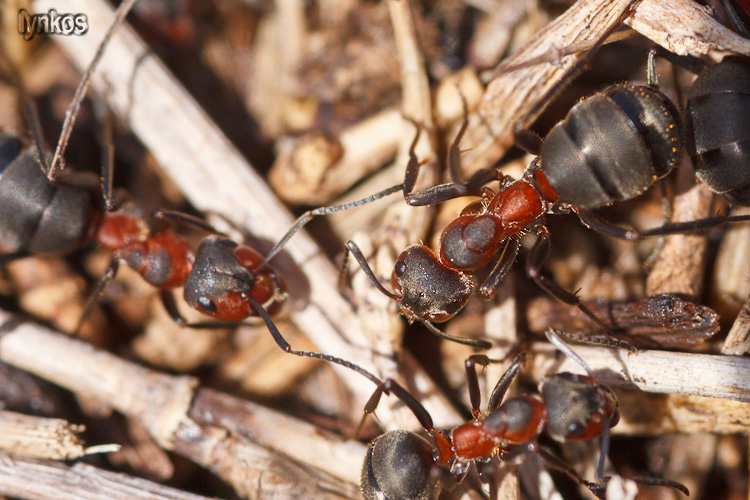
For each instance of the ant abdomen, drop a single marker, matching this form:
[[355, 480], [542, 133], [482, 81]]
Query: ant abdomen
[[38, 217], [612, 146], [717, 128], [399, 466]]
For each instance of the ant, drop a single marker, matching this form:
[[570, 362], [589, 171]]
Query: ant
[[401, 465], [716, 118], [611, 147], [45, 213]]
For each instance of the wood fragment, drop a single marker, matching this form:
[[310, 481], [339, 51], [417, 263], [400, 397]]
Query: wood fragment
[[648, 414], [39, 437], [682, 26], [164, 403], [652, 371], [34, 479], [679, 269], [315, 169]]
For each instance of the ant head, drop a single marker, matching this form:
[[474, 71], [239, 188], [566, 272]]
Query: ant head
[[224, 275], [428, 289], [400, 466], [577, 407]]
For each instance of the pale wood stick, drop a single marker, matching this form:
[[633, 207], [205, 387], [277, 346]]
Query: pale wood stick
[[653, 371], [164, 404], [39, 437], [40, 480]]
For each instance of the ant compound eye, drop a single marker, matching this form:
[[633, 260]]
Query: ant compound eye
[[207, 305], [400, 268]]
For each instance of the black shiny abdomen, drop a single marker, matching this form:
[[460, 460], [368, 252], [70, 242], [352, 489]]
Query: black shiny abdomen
[[399, 466], [612, 146], [717, 128], [37, 216]]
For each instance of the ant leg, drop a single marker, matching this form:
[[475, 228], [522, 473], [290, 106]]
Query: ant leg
[[554, 462], [740, 20], [498, 393], [108, 158], [451, 190], [524, 137], [362, 261], [656, 481], [534, 262], [284, 345], [72, 112], [488, 475], [303, 219], [501, 269], [108, 276], [454, 151], [473, 380], [691, 63], [592, 221], [162, 215], [481, 344]]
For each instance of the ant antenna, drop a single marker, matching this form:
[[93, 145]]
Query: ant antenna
[[311, 214], [554, 338], [72, 111]]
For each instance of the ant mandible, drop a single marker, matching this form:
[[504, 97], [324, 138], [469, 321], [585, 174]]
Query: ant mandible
[[401, 465]]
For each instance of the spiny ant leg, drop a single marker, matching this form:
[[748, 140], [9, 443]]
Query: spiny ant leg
[[412, 166], [534, 262], [498, 393], [690, 63], [592, 221], [303, 219], [108, 276], [162, 215], [108, 159], [454, 151], [481, 344], [286, 347], [473, 380], [362, 261], [455, 189], [501, 269], [72, 111]]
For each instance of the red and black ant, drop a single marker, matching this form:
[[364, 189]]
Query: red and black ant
[[401, 465], [45, 213], [611, 147]]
